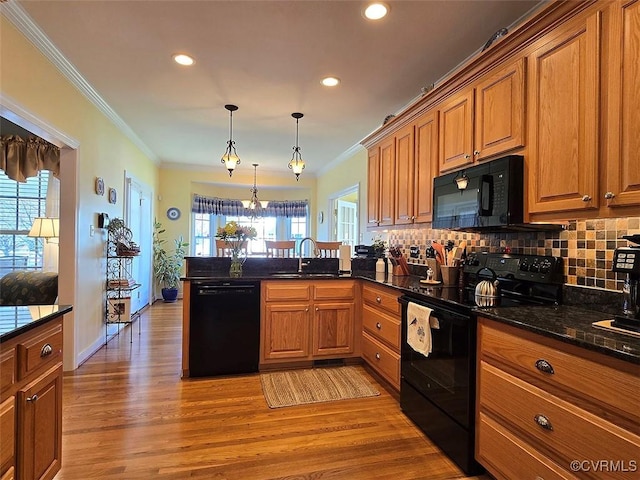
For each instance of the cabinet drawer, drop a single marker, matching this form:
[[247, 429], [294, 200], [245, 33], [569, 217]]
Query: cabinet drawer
[[578, 375], [44, 347], [331, 290], [385, 361], [7, 369], [570, 433], [283, 290], [385, 299], [381, 326], [513, 457]]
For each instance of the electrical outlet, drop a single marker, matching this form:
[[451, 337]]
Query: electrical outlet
[[414, 251]]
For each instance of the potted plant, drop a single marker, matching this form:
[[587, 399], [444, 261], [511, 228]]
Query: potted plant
[[379, 247], [167, 267]]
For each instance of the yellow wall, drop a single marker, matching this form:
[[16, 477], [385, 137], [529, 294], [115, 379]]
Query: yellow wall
[[350, 172], [33, 83], [177, 186]]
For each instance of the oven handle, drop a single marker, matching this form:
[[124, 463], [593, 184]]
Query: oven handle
[[404, 301]]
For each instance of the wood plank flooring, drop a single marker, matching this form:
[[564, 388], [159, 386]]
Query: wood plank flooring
[[128, 415]]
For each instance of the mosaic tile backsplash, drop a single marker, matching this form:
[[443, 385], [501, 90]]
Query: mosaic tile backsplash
[[586, 246]]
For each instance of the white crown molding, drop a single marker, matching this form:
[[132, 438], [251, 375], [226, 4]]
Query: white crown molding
[[21, 20]]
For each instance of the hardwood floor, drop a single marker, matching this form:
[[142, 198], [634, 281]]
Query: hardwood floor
[[128, 415]]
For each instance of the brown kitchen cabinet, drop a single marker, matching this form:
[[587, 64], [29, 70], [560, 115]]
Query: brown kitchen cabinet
[[304, 320], [563, 118], [456, 131], [381, 183], [381, 319], [404, 175], [31, 403], [623, 99], [485, 120], [537, 411]]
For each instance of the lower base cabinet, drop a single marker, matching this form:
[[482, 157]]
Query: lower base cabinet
[[31, 404], [547, 410], [305, 321]]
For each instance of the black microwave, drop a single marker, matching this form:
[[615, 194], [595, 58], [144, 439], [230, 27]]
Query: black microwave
[[482, 197]]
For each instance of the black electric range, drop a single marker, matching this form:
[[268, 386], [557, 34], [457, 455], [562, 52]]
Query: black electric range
[[437, 390]]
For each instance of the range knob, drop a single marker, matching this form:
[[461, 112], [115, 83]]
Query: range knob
[[524, 265], [535, 267], [545, 266]]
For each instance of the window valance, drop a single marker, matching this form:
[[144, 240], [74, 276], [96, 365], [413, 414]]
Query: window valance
[[228, 206], [23, 158]]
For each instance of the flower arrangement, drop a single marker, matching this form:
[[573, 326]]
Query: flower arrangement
[[234, 237], [379, 246]]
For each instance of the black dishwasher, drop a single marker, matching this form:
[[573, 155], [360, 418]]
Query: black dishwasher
[[224, 328]]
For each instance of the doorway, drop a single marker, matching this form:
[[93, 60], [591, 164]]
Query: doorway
[[138, 218], [344, 222]]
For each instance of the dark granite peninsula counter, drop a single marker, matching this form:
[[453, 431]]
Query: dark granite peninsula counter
[[16, 320]]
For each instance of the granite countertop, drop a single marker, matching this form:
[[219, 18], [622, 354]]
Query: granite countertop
[[15, 320], [566, 323]]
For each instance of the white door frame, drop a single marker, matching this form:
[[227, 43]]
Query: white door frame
[[332, 201]]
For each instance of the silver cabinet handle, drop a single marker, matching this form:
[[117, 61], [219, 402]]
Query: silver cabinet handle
[[544, 366], [586, 198], [34, 398], [378, 326], [543, 421], [476, 152], [467, 156], [317, 309], [46, 350], [609, 195], [306, 309], [377, 356], [378, 299]]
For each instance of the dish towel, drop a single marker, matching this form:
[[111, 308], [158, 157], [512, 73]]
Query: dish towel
[[419, 325]]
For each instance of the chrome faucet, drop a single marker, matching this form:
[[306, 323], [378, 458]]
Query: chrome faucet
[[316, 253]]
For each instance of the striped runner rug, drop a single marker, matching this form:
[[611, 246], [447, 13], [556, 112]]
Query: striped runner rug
[[297, 387]]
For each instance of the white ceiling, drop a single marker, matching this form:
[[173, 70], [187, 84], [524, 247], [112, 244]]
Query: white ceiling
[[267, 57]]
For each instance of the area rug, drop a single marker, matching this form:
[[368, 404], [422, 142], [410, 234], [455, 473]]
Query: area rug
[[298, 387]]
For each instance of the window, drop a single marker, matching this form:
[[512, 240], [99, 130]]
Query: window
[[268, 228], [20, 204]]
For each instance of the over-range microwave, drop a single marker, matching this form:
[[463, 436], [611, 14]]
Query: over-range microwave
[[482, 197]]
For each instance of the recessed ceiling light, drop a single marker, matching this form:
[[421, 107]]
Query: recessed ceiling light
[[376, 11], [183, 59], [330, 81]]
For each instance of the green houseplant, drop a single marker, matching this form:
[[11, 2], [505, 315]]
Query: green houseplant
[[167, 266]]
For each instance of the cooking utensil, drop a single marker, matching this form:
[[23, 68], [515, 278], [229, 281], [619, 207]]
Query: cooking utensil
[[439, 252]]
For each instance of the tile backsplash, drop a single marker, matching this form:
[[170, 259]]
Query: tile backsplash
[[586, 246]]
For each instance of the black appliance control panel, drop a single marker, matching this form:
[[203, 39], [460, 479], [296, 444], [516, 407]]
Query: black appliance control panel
[[627, 260], [533, 268]]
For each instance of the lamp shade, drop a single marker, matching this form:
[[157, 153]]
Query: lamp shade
[[45, 227]]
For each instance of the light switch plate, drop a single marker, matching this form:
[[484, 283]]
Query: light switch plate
[[91, 230]]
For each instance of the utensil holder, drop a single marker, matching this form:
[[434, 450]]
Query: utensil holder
[[449, 274], [435, 267]]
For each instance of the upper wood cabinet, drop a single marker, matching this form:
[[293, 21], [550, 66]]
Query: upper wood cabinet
[[426, 165], [456, 132], [623, 99], [563, 118], [484, 121], [381, 183], [404, 211], [500, 111]]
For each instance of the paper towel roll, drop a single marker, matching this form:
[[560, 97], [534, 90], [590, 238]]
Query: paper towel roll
[[345, 258]]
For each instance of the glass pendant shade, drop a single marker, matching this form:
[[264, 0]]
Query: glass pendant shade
[[230, 157], [297, 163], [254, 204]]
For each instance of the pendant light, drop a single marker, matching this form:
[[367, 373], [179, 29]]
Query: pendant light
[[230, 158], [254, 204], [297, 164]]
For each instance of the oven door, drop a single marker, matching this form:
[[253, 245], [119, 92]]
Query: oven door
[[446, 377]]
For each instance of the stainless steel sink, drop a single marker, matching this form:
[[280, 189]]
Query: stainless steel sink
[[302, 275]]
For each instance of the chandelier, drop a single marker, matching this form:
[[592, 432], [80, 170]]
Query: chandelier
[[230, 158], [254, 204], [297, 164]]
